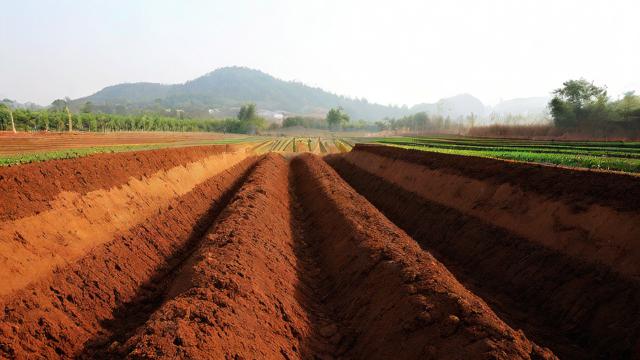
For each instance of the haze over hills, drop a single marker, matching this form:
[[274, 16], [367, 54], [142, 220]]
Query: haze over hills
[[523, 106], [222, 91]]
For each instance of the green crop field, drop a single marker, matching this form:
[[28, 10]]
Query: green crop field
[[24, 158], [613, 156]]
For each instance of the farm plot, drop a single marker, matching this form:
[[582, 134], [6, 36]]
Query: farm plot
[[614, 155], [208, 253], [31, 147], [374, 253], [530, 240], [306, 144]]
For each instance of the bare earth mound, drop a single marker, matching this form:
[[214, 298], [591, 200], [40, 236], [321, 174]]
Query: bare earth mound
[[393, 296], [539, 260], [377, 253]]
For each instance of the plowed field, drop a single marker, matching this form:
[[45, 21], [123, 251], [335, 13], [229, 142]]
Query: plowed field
[[377, 253]]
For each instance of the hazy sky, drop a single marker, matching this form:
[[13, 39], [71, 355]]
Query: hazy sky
[[399, 52]]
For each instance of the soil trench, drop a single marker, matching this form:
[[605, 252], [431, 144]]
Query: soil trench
[[270, 258], [577, 308], [235, 297], [585, 215], [389, 296], [87, 303], [30, 188], [285, 273], [31, 247]]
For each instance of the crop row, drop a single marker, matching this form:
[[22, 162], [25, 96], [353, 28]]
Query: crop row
[[571, 160], [629, 154]]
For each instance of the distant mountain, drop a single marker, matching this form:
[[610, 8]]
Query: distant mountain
[[223, 91], [16, 105], [453, 107], [141, 93], [231, 87], [522, 106]]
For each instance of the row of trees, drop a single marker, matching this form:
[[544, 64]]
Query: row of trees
[[336, 119], [423, 122], [581, 105], [51, 120], [59, 118], [320, 123]]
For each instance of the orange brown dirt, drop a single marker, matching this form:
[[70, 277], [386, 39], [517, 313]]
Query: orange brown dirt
[[531, 284], [32, 246], [80, 305], [393, 297], [235, 298], [209, 252], [592, 216], [29, 142], [29, 189]]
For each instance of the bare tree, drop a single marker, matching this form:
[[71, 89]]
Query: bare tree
[[10, 111], [66, 108], [13, 124]]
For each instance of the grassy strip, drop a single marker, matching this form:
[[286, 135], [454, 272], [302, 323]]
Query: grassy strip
[[580, 161], [453, 139], [6, 160], [529, 149]]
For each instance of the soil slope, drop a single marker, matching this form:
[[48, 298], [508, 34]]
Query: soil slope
[[531, 285]]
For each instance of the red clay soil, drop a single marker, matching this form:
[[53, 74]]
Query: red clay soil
[[28, 189], [578, 309], [86, 307], [579, 187], [393, 298], [236, 296], [29, 142], [589, 231], [264, 260]]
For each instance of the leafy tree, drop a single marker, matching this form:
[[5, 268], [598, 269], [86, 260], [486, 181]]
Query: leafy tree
[[629, 106], [580, 92], [58, 105], [6, 109], [382, 125], [249, 122], [576, 103], [247, 112], [87, 108], [63, 105], [336, 118]]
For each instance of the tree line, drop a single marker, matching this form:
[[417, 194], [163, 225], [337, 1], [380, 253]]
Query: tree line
[[59, 118], [580, 105], [335, 119], [423, 122]]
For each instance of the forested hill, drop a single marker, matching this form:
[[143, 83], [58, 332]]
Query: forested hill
[[230, 87], [223, 91]]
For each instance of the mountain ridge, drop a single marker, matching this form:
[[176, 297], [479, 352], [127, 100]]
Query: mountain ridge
[[229, 87]]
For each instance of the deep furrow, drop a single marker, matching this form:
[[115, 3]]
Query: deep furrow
[[86, 304], [131, 315], [239, 294], [578, 309], [278, 258], [390, 296], [314, 287]]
